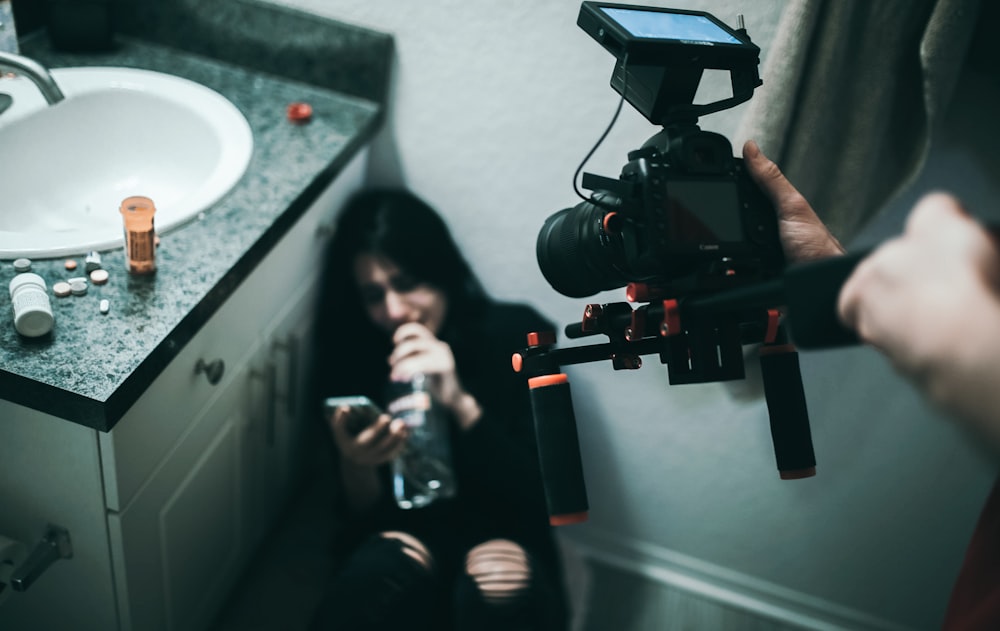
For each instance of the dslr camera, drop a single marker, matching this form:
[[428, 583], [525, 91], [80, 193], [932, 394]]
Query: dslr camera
[[686, 229], [684, 217]]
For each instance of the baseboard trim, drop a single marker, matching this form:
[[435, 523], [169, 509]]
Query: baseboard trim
[[730, 588]]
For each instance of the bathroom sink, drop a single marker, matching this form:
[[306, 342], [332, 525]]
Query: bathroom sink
[[119, 132]]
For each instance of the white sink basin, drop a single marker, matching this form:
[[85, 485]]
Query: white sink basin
[[65, 168]]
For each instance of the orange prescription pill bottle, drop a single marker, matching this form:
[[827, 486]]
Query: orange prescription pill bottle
[[140, 237]]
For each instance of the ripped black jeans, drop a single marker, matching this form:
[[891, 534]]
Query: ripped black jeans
[[392, 581]]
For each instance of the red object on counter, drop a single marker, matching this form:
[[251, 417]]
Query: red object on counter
[[299, 112]]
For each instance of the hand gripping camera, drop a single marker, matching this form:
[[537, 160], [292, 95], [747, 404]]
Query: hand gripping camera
[[685, 230]]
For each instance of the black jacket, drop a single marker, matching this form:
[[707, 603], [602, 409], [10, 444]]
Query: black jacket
[[500, 493]]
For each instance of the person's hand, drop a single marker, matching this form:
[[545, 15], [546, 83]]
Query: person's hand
[[418, 351], [930, 300], [804, 237], [376, 444]]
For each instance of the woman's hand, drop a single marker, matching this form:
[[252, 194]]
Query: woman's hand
[[930, 300], [376, 444], [804, 236], [418, 351]]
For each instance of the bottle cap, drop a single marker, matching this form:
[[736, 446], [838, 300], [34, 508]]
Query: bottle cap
[[299, 112], [138, 212], [92, 262], [34, 323]]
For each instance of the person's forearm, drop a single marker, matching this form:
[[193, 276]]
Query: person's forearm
[[360, 485]]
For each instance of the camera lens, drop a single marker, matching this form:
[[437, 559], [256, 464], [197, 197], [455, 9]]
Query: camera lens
[[575, 255]]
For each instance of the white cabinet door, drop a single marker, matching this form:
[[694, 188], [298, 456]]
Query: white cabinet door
[[50, 473], [274, 437], [274, 448], [177, 548]]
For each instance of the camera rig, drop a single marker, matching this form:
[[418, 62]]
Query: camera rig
[[685, 230]]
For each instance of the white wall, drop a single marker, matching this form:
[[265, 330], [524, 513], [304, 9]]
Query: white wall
[[496, 103]]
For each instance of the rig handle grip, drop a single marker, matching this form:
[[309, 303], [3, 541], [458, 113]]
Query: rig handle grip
[[812, 290], [786, 406], [558, 449]]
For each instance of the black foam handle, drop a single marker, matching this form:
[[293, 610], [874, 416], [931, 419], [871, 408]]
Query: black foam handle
[[786, 406], [811, 293], [558, 449]]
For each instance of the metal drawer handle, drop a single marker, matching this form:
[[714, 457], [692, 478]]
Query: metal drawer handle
[[269, 376], [213, 370], [291, 347], [54, 545]]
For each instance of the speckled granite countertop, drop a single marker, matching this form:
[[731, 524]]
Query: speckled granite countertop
[[92, 367]]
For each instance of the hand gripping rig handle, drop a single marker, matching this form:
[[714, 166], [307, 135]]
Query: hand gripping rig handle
[[558, 449], [786, 406]]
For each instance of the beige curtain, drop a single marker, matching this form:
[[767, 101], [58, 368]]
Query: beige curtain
[[853, 90]]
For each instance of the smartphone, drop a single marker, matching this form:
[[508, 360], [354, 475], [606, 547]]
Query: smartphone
[[363, 411]]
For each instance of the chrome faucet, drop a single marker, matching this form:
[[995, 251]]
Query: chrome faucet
[[34, 71]]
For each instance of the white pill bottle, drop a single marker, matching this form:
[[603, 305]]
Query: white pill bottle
[[32, 309]]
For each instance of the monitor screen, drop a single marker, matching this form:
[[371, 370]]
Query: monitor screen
[[675, 26]]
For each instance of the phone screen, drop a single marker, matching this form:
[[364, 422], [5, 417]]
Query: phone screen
[[363, 411], [676, 26]]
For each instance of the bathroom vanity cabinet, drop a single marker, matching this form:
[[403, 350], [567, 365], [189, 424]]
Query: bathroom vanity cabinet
[[165, 437], [166, 509]]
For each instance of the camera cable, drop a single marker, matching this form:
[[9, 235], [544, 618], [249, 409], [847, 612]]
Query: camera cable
[[614, 119]]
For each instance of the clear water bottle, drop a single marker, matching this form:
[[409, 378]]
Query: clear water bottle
[[423, 472]]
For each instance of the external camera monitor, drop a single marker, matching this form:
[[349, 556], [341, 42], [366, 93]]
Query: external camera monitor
[[654, 35], [662, 54], [683, 27]]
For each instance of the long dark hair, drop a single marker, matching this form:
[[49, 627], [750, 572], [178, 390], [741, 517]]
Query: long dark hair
[[397, 225]]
